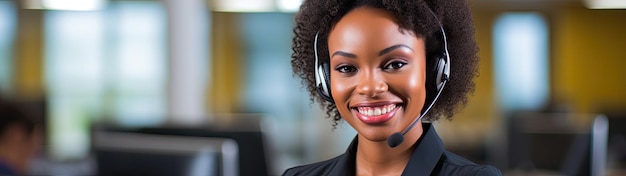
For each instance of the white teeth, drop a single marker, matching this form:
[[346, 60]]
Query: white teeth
[[375, 111]]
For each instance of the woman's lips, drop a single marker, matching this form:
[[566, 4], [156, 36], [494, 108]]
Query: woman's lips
[[377, 114]]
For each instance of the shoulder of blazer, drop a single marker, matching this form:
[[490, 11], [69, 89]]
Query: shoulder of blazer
[[318, 168]]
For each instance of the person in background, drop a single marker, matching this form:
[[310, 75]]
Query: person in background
[[383, 66], [20, 138]]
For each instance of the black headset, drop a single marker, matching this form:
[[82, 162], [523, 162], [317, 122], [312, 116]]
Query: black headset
[[441, 68]]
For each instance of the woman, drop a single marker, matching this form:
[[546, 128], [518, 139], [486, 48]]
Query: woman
[[381, 66]]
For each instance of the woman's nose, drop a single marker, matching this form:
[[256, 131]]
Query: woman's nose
[[371, 84]]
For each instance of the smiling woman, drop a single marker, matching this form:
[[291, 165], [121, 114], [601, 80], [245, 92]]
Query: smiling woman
[[381, 66]]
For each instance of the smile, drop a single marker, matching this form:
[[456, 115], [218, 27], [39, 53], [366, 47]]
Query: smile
[[375, 111], [375, 114]]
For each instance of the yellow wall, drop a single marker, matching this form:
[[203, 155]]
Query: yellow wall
[[28, 68], [225, 88], [589, 59]]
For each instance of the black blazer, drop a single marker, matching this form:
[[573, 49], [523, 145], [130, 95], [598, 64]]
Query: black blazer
[[429, 158]]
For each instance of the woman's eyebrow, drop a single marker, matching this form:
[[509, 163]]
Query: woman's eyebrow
[[382, 52], [391, 48], [344, 54]]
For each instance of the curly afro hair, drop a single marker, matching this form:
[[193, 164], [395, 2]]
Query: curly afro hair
[[317, 16]]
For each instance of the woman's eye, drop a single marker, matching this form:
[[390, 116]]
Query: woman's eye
[[345, 69], [395, 65]]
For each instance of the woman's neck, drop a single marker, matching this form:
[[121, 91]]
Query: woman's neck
[[377, 158]]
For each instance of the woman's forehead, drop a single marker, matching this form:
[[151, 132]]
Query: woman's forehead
[[368, 27]]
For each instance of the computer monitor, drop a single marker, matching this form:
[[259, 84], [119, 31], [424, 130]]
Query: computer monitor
[[245, 129], [555, 143], [132, 153]]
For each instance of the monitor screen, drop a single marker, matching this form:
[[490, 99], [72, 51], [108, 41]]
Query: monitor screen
[[128, 153], [556, 143]]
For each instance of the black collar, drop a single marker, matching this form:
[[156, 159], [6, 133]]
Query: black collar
[[427, 153], [423, 160]]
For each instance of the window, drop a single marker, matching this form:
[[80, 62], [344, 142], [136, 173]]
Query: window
[[74, 70], [138, 61], [104, 65], [521, 61], [7, 33]]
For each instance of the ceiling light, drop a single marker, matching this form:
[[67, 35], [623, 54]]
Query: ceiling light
[[75, 5], [256, 5], [243, 5], [605, 4], [289, 5]]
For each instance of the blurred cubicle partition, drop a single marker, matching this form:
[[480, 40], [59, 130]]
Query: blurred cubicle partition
[[235, 146], [557, 143]]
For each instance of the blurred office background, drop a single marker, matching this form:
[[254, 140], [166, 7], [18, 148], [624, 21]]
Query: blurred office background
[[550, 97]]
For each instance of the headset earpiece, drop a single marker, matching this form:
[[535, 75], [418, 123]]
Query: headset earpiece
[[443, 64], [439, 73], [322, 75]]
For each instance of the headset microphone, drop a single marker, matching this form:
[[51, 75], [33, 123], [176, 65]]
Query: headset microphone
[[397, 138]]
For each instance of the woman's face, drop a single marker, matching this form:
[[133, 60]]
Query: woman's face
[[377, 72]]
